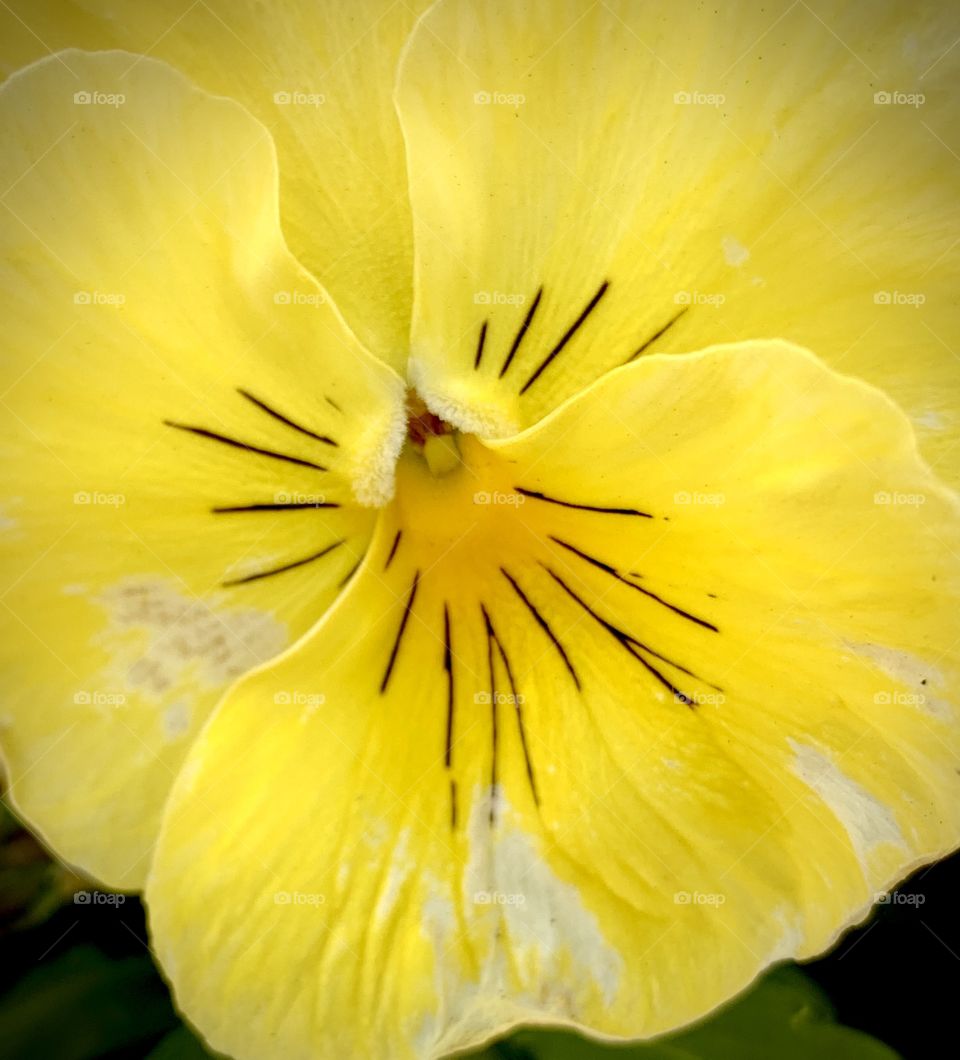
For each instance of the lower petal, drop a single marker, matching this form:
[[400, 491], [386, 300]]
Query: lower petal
[[613, 716]]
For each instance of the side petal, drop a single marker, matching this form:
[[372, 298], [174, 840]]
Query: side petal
[[604, 726], [187, 426], [320, 76], [595, 183]]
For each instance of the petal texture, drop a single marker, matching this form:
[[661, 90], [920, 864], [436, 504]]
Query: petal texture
[[624, 726], [320, 76], [594, 183], [187, 426]]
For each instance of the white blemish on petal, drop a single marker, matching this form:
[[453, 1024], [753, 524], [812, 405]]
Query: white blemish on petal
[[865, 819], [545, 922], [159, 639], [176, 721], [791, 939], [540, 951], [905, 669], [930, 421], [397, 873], [75, 589], [734, 252], [8, 523]]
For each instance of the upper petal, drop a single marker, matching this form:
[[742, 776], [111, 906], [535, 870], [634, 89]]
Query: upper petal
[[592, 183], [187, 424], [612, 717], [319, 74]]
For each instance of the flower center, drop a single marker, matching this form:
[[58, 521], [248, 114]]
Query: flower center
[[431, 437]]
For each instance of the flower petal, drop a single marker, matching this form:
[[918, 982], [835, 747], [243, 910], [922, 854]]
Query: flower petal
[[592, 183], [319, 74], [187, 423], [604, 726]]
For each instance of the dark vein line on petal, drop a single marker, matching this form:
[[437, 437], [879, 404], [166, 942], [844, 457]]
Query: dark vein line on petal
[[350, 573], [393, 549], [448, 669], [286, 566], [568, 335], [520, 334], [543, 624], [480, 342], [326, 439], [202, 432], [518, 708], [535, 495], [656, 335], [493, 714], [607, 568], [271, 507], [408, 607], [630, 644]]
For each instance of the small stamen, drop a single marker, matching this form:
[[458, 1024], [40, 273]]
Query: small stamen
[[432, 436]]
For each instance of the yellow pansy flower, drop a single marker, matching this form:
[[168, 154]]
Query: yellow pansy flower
[[434, 565]]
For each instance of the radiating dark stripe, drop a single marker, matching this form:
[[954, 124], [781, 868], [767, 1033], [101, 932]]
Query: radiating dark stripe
[[657, 335], [600, 565], [568, 335], [265, 507], [523, 330], [393, 549], [631, 644], [518, 711], [448, 668], [244, 446], [580, 507], [332, 404], [284, 419], [453, 803], [480, 342], [350, 573], [543, 624], [494, 735], [408, 607], [286, 566]]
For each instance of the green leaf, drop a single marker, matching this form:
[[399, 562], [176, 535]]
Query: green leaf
[[181, 1044], [84, 1005], [784, 1015]]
